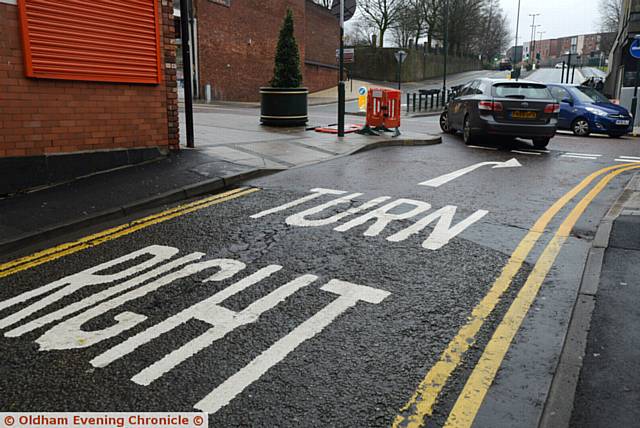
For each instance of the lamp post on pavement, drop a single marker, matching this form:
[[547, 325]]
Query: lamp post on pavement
[[515, 47], [532, 48]]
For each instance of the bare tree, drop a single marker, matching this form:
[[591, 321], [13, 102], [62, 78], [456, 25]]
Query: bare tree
[[359, 33], [382, 14], [611, 15], [323, 3]]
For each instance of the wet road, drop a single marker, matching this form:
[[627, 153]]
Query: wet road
[[362, 291]]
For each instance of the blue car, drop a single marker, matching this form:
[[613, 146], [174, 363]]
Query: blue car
[[584, 110]]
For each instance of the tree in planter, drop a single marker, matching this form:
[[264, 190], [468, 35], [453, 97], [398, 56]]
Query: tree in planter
[[286, 72]]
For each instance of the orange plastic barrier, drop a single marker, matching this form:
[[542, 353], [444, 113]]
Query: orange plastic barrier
[[383, 108], [375, 112], [391, 99]]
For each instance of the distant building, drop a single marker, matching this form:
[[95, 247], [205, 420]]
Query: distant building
[[591, 49]]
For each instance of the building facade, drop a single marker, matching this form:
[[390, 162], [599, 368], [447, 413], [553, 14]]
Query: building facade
[[622, 66], [591, 48], [83, 79], [234, 44]]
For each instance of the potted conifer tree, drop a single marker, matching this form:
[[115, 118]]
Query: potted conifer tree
[[284, 103]]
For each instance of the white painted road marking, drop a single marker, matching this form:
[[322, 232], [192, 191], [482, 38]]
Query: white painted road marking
[[590, 156], [524, 152], [580, 157], [444, 179], [483, 148], [627, 160], [350, 294], [441, 235], [87, 277], [68, 334], [315, 193]]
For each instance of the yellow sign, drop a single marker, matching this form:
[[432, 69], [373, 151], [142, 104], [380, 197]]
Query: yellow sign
[[362, 98]]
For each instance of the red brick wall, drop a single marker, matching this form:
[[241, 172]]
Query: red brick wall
[[42, 116], [322, 39], [237, 44]]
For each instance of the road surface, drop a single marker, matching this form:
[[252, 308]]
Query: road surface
[[362, 291]]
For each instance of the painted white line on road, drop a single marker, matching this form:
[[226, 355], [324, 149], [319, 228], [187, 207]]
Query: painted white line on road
[[198, 311], [69, 334], [443, 232], [88, 277], [629, 157], [223, 321], [483, 148], [526, 153], [383, 217], [583, 154], [444, 179], [627, 160], [316, 193], [579, 157], [350, 294]]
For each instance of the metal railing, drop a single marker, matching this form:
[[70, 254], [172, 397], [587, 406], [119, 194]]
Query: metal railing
[[430, 99]]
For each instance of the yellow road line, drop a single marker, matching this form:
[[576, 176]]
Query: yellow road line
[[65, 249], [420, 405], [475, 390]]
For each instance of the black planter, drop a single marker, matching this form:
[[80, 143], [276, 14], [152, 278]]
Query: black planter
[[283, 106]]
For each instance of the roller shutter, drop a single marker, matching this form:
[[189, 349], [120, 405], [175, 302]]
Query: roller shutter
[[96, 40]]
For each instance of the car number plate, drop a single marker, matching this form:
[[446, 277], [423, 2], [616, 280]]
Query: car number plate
[[622, 122], [524, 114]]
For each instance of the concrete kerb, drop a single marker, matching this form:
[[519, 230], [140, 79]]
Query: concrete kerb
[[170, 197], [559, 404], [187, 192]]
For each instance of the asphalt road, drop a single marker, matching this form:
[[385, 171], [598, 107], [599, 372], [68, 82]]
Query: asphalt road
[[320, 296]]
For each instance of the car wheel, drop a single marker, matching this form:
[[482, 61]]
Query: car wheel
[[541, 143], [468, 136], [580, 127], [444, 123]]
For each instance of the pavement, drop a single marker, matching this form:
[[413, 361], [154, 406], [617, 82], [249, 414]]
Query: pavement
[[607, 392], [231, 145]]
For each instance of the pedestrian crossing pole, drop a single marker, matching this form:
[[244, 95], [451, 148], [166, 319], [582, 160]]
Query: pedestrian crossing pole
[[341, 87]]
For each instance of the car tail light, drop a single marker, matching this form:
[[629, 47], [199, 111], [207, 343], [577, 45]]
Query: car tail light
[[552, 108], [490, 106]]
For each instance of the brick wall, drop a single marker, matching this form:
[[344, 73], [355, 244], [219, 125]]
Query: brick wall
[[42, 116], [237, 44], [322, 39]]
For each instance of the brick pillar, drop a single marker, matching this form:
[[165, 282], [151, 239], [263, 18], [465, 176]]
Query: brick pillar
[[171, 84]]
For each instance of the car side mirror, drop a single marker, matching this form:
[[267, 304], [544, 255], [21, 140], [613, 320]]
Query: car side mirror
[[567, 101]]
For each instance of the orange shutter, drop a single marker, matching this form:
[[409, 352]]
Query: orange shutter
[[94, 40]]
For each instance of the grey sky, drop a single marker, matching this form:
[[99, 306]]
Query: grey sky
[[557, 17]]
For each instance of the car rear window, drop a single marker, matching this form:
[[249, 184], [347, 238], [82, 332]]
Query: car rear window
[[521, 90]]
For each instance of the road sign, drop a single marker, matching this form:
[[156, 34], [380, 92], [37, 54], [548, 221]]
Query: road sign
[[401, 56], [349, 55], [634, 50], [349, 9]]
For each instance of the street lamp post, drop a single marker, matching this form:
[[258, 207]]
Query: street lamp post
[[341, 89], [532, 48], [515, 48]]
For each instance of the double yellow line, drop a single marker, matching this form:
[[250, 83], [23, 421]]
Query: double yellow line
[[54, 253], [421, 404]]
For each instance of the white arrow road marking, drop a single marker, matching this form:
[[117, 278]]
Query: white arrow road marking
[[444, 179]]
